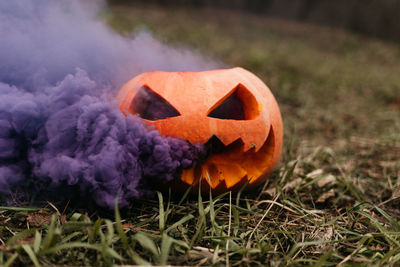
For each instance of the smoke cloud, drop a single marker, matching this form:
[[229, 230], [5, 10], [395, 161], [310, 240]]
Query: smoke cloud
[[61, 133]]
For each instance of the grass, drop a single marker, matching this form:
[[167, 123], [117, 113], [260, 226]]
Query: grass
[[333, 200]]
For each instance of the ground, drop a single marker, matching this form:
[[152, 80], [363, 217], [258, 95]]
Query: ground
[[333, 199]]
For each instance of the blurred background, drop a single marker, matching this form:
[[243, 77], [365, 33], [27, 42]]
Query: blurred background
[[332, 65], [372, 17]]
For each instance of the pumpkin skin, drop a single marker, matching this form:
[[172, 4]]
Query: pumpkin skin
[[252, 142]]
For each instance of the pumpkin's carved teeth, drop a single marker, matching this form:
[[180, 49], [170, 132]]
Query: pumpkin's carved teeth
[[226, 142], [215, 145], [228, 167]]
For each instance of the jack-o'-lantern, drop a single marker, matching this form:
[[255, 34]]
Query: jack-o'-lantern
[[231, 110]]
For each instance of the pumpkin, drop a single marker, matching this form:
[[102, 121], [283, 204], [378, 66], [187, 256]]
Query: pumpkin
[[230, 110]]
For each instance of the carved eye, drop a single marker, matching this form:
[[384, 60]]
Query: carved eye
[[238, 104], [151, 106]]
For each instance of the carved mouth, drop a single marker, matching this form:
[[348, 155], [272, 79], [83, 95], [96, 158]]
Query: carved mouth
[[230, 167]]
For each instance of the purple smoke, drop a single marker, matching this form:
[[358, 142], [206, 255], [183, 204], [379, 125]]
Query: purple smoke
[[61, 132]]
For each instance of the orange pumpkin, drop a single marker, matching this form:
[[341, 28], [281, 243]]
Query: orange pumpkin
[[230, 108]]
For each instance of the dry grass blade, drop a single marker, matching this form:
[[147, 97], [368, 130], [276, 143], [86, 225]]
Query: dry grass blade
[[248, 245], [229, 230]]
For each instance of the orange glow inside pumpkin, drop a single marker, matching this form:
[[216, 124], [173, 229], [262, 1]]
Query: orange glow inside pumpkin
[[232, 167]]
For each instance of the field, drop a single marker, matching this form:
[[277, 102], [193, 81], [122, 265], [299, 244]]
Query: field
[[333, 200]]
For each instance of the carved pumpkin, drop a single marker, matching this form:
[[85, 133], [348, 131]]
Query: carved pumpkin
[[231, 110]]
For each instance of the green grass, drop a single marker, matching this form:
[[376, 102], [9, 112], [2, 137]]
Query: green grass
[[334, 199]]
